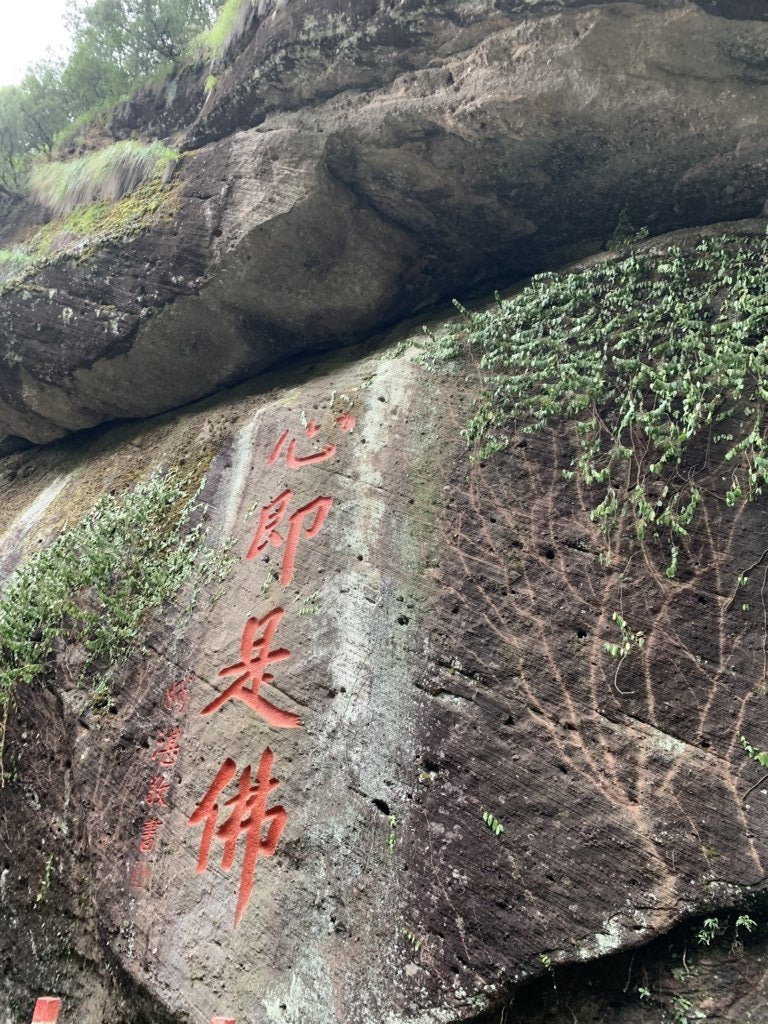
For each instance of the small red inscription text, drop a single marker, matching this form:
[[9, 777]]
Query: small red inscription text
[[167, 747], [158, 787], [177, 696], [149, 835]]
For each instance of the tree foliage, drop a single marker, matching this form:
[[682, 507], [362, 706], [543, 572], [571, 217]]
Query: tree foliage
[[115, 45], [117, 42], [31, 115]]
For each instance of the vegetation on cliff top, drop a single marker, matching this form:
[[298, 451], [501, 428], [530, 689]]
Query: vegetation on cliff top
[[116, 45], [658, 360], [92, 588], [228, 26], [108, 173]]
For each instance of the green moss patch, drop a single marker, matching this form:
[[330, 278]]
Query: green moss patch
[[89, 226]]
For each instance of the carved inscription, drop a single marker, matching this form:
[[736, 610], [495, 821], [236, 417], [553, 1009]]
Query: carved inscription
[[165, 755], [248, 814]]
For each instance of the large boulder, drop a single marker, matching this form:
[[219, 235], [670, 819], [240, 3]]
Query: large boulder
[[446, 623], [355, 163]]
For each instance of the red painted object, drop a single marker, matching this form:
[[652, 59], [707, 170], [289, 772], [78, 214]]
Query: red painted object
[[46, 1010], [270, 518], [249, 813], [223, 1020], [256, 655], [346, 421], [177, 696], [294, 461]]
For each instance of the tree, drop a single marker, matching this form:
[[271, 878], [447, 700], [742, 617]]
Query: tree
[[45, 104], [117, 42], [31, 114], [13, 153]]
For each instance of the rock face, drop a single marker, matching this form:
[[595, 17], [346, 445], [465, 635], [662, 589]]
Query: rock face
[[357, 162], [441, 642]]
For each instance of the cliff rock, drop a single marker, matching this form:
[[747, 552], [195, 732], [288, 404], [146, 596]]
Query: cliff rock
[[459, 790], [354, 163]]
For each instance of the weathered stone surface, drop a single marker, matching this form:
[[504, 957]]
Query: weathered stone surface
[[446, 629], [359, 162]]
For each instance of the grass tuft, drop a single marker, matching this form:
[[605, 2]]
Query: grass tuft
[[109, 173], [13, 262], [229, 25]]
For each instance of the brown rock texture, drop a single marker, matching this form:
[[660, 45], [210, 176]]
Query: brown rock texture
[[356, 162], [445, 625]]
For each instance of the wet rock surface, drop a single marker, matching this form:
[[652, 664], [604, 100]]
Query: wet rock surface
[[355, 163], [446, 626]]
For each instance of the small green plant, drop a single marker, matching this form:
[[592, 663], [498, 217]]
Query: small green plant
[[746, 922], [760, 756], [546, 961], [100, 698], [624, 234], [310, 605], [709, 931], [392, 839], [683, 1011], [644, 993], [269, 579], [413, 939], [493, 823], [630, 639], [210, 84]]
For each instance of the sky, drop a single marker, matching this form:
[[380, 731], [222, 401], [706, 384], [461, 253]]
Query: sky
[[27, 29]]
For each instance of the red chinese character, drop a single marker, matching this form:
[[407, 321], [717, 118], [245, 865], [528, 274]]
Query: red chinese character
[[294, 461], [249, 814], [256, 656], [346, 421], [46, 1010], [140, 875], [158, 787], [313, 429], [149, 835], [177, 697], [270, 518], [167, 747]]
